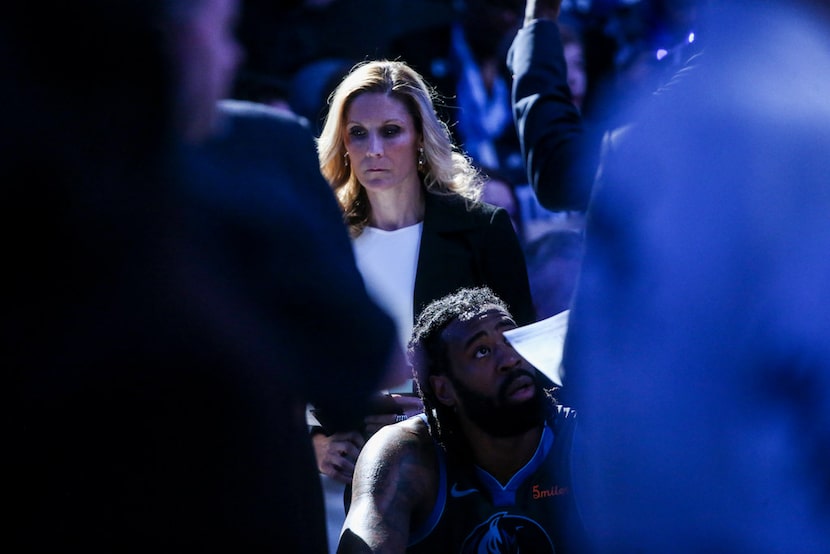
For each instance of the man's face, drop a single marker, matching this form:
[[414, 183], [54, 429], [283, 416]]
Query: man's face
[[207, 55], [489, 383]]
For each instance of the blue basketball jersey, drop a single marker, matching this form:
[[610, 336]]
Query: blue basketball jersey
[[533, 512]]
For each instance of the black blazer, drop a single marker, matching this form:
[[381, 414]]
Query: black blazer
[[463, 247]]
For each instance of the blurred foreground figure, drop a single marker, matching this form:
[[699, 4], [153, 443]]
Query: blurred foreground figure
[[699, 343], [163, 328]]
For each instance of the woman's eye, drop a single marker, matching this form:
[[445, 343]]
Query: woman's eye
[[481, 351], [356, 132], [391, 130]]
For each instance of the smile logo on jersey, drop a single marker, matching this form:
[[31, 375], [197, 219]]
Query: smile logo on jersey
[[508, 534]]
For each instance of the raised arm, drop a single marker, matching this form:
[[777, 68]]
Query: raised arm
[[559, 162], [393, 488], [542, 9]]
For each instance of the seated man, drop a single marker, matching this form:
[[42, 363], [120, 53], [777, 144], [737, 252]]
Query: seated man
[[486, 466]]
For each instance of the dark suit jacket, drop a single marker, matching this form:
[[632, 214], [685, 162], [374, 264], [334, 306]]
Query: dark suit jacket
[[560, 157], [159, 398], [466, 248], [278, 245], [289, 232]]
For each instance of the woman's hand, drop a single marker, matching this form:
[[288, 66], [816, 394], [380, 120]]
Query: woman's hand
[[404, 407], [337, 454]]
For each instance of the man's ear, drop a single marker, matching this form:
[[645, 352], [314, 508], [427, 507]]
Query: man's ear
[[443, 389]]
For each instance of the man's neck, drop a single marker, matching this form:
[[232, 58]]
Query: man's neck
[[502, 457]]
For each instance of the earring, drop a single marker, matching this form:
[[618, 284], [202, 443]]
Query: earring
[[421, 159], [346, 159]]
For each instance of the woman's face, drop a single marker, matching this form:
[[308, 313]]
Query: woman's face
[[382, 142]]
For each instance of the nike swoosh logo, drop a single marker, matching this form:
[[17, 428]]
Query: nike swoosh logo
[[458, 494]]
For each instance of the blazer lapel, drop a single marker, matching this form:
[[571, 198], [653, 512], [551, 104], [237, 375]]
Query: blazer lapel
[[445, 259]]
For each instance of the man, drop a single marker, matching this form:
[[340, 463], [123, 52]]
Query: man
[[487, 466], [165, 323], [704, 301], [257, 188]]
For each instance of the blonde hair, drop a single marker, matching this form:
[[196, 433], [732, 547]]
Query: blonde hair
[[446, 170]]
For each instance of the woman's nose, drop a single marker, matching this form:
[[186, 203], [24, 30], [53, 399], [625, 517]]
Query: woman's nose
[[375, 146]]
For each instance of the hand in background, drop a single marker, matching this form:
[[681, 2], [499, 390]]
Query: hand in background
[[337, 454], [404, 405], [542, 9]]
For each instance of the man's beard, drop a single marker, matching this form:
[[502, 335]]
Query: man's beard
[[495, 415]]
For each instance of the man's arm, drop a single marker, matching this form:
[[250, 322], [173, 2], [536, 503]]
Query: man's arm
[[551, 133], [394, 488]]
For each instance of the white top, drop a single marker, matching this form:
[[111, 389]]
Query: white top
[[388, 260]]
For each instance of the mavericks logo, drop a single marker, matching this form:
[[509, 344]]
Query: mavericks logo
[[508, 534]]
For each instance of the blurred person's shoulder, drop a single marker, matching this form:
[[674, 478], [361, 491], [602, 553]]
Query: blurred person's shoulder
[[246, 112]]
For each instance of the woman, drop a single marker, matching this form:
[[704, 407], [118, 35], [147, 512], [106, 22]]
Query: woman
[[411, 200], [401, 182]]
